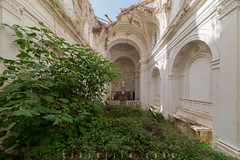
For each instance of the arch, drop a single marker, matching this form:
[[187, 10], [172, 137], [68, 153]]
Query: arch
[[191, 82], [215, 54], [124, 57], [155, 72], [125, 40], [124, 50]]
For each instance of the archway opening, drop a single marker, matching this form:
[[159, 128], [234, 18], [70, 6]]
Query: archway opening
[[126, 58], [125, 90]]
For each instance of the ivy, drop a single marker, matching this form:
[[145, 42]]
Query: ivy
[[50, 90]]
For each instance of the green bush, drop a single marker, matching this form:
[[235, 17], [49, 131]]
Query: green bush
[[50, 91]]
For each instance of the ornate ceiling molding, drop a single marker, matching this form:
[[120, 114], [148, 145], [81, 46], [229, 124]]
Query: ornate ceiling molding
[[226, 7], [13, 6]]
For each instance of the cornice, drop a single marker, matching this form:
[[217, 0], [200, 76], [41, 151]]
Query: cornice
[[226, 7], [13, 6], [63, 18], [183, 15]]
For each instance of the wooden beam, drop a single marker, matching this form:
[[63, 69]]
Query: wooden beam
[[146, 2], [108, 18]]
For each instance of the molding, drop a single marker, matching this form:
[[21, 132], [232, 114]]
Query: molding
[[227, 148], [13, 6], [215, 64], [172, 42], [53, 8], [226, 7], [173, 77], [159, 59], [196, 113], [63, 18]]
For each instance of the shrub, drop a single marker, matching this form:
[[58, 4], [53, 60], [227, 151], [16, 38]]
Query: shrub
[[48, 91]]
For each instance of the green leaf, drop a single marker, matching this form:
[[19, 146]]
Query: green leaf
[[34, 28], [39, 66], [63, 100], [23, 55], [57, 121], [9, 142], [41, 23], [24, 112], [3, 133], [41, 86], [49, 117], [45, 140], [5, 109], [52, 110], [21, 43], [2, 80], [31, 35], [13, 87], [30, 94], [14, 102], [55, 94], [6, 72], [39, 109], [34, 112], [48, 98], [6, 124]]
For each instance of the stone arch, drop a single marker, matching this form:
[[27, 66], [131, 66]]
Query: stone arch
[[196, 36], [191, 82], [125, 57], [135, 42]]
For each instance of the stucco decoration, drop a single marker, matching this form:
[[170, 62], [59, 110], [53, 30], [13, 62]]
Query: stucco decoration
[[226, 7]]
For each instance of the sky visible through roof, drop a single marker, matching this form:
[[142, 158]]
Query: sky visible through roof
[[111, 7]]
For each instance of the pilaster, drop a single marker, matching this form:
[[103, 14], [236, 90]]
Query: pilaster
[[143, 85], [227, 133]]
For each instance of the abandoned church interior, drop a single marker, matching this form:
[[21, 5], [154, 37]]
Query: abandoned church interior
[[180, 56]]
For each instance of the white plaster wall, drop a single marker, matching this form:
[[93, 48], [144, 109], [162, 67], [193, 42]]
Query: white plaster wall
[[199, 81], [228, 124]]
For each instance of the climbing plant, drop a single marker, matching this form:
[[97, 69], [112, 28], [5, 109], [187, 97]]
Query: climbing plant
[[48, 91]]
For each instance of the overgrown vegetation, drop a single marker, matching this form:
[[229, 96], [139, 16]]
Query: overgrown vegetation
[[50, 108], [48, 91]]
